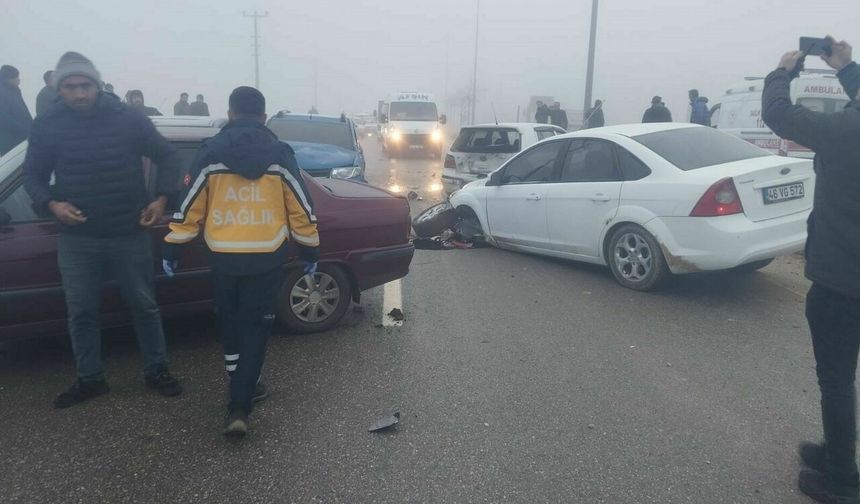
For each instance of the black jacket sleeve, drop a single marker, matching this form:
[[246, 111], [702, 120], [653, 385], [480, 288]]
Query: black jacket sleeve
[[164, 155], [815, 130], [15, 117], [849, 77], [38, 166]]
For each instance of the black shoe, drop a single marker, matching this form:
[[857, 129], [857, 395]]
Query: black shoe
[[261, 392], [814, 484], [164, 384], [81, 391], [813, 455], [236, 424]]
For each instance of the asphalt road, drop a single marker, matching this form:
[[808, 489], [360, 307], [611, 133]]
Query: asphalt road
[[519, 379]]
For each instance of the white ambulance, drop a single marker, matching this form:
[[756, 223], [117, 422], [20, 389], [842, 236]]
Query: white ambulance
[[410, 123], [739, 111]]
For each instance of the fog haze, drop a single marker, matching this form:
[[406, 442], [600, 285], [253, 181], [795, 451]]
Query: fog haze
[[362, 50]]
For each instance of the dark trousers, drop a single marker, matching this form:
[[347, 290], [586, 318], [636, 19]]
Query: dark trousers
[[834, 320], [246, 314], [84, 262]]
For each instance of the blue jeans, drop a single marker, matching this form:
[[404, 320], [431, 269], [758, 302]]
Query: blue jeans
[[83, 262]]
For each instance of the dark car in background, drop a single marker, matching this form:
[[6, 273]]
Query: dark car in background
[[364, 235], [325, 146]]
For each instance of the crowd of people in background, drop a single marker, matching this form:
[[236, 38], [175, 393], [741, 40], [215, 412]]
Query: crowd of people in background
[[183, 108], [16, 120]]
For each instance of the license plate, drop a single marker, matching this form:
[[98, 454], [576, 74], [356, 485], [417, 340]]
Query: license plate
[[416, 147], [787, 192]]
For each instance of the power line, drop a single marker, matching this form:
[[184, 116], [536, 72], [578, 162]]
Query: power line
[[256, 16]]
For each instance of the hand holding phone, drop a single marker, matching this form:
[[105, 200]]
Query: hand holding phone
[[812, 46]]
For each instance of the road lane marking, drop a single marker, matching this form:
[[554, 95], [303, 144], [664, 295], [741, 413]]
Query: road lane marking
[[392, 300]]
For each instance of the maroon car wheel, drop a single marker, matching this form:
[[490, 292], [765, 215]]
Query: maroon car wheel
[[314, 305]]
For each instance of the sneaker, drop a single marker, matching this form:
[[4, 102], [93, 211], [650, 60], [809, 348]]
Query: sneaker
[[814, 484], [81, 391], [261, 392], [236, 424], [812, 455], [164, 384]]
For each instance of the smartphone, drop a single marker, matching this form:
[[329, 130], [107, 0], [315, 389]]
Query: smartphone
[[812, 46]]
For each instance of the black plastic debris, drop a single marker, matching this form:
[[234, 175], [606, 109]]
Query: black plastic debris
[[397, 315], [385, 423]]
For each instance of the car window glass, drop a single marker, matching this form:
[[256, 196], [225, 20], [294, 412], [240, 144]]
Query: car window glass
[[696, 147], [488, 141], [20, 206], [589, 161], [535, 166], [631, 167], [544, 133], [321, 132], [187, 155]]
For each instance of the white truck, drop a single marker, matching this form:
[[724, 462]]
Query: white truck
[[738, 112], [410, 123]]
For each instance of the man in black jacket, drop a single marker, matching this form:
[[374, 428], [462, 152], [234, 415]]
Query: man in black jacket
[[199, 107], [182, 107], [594, 117], [833, 303], [92, 144], [558, 116], [15, 118], [658, 112], [136, 101], [47, 95], [542, 113]]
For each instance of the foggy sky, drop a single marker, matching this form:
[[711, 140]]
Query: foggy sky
[[362, 50]]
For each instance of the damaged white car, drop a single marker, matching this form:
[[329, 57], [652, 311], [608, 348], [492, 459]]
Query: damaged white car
[[648, 200]]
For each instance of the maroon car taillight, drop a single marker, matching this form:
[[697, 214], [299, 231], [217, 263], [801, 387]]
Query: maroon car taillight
[[720, 199], [449, 162]]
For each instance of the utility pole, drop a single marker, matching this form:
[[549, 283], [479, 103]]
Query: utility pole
[[589, 78], [316, 84], [475, 68], [256, 16]]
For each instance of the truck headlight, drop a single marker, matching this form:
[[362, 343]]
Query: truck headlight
[[346, 172], [396, 135], [436, 136]]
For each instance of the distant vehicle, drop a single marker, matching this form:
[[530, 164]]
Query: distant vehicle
[[321, 143], [648, 200], [480, 149], [366, 125], [410, 124], [364, 235], [738, 112]]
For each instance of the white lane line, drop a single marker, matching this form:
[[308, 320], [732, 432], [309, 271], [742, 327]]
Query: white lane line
[[392, 300]]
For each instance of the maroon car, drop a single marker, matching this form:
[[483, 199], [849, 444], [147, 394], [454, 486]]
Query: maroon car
[[364, 235]]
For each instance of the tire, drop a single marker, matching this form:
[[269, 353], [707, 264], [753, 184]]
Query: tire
[[434, 220], [636, 259], [331, 281], [753, 266]]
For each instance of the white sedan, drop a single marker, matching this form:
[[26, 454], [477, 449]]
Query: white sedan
[[481, 149], [648, 200]]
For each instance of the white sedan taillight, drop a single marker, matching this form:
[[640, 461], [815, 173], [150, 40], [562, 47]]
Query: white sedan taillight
[[720, 199]]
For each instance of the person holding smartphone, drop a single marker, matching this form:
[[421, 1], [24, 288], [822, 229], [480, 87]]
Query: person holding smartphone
[[833, 244]]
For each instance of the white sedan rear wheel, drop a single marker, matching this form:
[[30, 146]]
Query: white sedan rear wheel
[[636, 259]]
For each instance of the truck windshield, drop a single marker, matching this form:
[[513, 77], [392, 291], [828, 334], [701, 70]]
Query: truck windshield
[[331, 133], [413, 111], [826, 105]]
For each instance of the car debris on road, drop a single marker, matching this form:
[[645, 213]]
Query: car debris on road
[[385, 423]]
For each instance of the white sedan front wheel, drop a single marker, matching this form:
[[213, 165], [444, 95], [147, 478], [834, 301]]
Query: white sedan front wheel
[[636, 259]]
